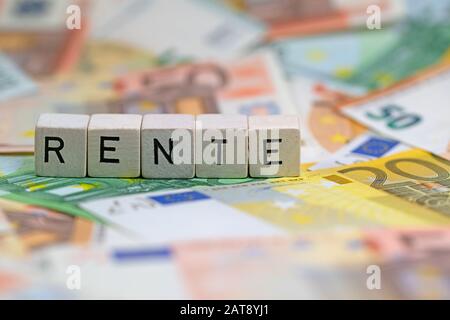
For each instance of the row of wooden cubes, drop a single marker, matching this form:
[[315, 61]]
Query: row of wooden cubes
[[167, 145]]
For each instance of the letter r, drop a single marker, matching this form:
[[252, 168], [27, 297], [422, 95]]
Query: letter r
[[57, 149]]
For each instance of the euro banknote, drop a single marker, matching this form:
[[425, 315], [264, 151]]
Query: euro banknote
[[13, 82], [132, 272], [35, 36], [361, 61], [324, 130], [24, 281], [170, 271], [88, 88], [182, 215], [367, 146], [205, 29], [335, 265], [11, 164], [306, 17], [19, 183], [333, 58], [320, 266], [413, 111], [416, 262], [46, 15], [323, 202], [423, 41], [416, 176], [37, 228], [251, 85]]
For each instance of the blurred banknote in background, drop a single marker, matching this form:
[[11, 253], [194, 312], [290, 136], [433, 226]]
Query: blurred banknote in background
[[305, 17], [35, 36], [13, 82], [204, 29], [249, 86]]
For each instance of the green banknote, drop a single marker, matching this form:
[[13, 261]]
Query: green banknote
[[422, 42], [18, 182]]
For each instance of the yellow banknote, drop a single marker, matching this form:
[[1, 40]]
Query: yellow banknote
[[324, 201], [416, 176]]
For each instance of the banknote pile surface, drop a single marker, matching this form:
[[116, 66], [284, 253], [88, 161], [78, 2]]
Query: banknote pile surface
[[368, 218]]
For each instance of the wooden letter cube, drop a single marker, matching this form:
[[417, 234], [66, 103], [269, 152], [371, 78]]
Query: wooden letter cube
[[168, 146], [114, 145], [60, 145], [221, 146], [274, 146]]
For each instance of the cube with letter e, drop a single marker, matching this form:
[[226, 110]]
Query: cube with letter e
[[114, 145], [60, 145], [274, 146]]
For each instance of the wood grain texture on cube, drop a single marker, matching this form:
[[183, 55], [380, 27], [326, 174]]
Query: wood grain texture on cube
[[159, 133], [282, 135], [114, 145], [65, 136], [221, 146]]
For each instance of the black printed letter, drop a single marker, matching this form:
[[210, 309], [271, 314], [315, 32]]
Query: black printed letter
[[270, 151], [56, 149], [103, 149], [157, 145]]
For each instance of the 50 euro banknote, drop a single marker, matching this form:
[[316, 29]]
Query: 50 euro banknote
[[414, 111]]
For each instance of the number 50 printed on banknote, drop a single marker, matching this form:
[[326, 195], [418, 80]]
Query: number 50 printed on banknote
[[416, 111]]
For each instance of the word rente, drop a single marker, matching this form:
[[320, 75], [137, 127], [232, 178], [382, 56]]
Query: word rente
[[167, 146]]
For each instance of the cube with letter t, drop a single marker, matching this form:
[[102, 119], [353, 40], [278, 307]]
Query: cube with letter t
[[221, 143], [114, 145], [60, 145], [168, 146], [274, 146]]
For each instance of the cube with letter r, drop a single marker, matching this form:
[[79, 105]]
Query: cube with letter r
[[60, 145]]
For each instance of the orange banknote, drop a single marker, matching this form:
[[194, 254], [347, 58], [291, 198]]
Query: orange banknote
[[253, 85], [305, 17]]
